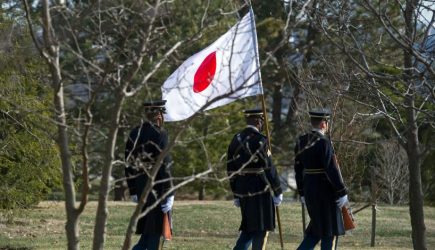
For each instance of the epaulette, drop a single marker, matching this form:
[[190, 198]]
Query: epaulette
[[320, 135], [262, 137]]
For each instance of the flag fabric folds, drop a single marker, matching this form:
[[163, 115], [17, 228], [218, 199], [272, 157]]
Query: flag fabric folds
[[225, 71]]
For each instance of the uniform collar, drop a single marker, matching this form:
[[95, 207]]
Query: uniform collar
[[149, 123], [253, 127], [318, 131]]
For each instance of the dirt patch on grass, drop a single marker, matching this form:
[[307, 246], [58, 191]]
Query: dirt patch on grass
[[50, 204], [18, 228], [14, 248]]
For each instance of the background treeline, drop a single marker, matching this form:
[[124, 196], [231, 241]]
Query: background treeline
[[308, 61]]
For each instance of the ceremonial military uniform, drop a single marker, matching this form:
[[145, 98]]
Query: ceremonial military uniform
[[252, 174], [144, 145], [320, 183]]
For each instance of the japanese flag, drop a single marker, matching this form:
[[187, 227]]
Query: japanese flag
[[223, 72]]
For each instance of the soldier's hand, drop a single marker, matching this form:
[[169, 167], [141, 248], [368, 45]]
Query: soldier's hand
[[167, 205], [342, 201], [134, 198], [236, 202], [277, 199]]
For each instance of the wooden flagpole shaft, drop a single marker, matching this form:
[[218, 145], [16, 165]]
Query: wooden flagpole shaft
[[279, 227], [266, 126], [266, 122], [263, 104]]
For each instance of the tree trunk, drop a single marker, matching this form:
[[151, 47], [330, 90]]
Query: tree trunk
[[374, 190], [72, 227], [294, 103], [415, 187], [201, 191], [72, 214], [412, 142], [276, 109], [294, 106], [102, 212], [120, 190], [52, 57]]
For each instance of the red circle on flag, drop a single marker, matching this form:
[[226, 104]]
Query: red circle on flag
[[205, 73]]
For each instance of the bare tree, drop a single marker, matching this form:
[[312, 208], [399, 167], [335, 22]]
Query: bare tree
[[116, 49], [387, 86], [112, 50], [50, 52], [392, 171], [115, 71]]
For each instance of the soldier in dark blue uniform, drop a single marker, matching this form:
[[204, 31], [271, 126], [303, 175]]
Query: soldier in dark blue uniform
[[252, 178], [320, 184], [144, 145]]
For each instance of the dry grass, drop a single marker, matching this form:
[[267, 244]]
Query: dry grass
[[198, 225]]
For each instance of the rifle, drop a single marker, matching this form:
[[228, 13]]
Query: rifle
[[346, 210], [166, 230], [348, 219]]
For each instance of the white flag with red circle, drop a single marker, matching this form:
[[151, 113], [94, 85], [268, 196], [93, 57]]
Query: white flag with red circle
[[223, 72]]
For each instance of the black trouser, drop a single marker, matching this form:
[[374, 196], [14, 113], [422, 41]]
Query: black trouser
[[148, 242], [310, 242], [258, 240]]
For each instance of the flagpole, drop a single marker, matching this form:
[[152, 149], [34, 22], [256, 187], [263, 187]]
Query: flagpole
[[263, 104]]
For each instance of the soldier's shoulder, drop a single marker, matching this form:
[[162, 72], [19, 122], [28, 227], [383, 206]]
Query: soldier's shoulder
[[239, 136], [135, 130], [163, 131], [324, 138], [254, 133], [263, 137], [260, 137], [304, 137]]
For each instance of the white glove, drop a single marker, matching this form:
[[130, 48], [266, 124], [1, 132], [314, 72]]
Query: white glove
[[277, 200], [303, 200], [167, 206], [134, 198], [236, 202], [342, 201]]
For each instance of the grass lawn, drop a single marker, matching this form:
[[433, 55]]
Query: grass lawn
[[199, 225]]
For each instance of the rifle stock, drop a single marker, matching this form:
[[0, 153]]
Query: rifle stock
[[348, 220], [346, 211], [166, 229]]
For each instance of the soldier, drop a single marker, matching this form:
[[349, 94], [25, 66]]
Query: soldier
[[252, 175], [320, 184], [144, 145]]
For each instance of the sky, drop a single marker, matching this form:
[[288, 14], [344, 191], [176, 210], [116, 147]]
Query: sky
[[428, 12]]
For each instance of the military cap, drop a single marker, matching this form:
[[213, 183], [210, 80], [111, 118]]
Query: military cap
[[253, 112], [156, 105], [322, 113]]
